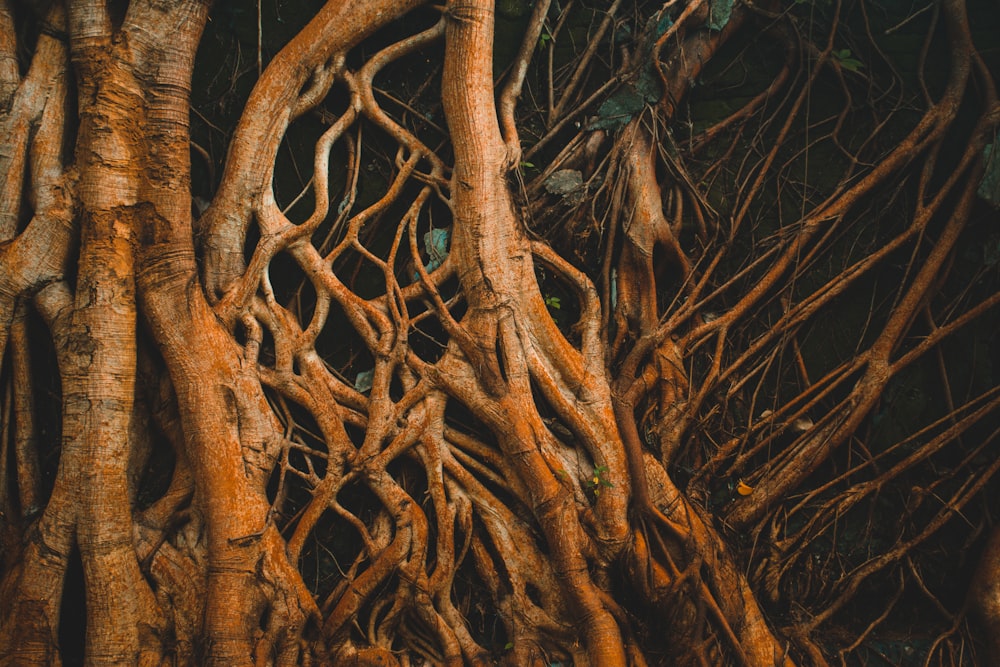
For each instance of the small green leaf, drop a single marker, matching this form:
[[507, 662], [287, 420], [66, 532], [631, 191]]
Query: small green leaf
[[564, 182], [597, 480], [614, 288], [616, 111], [527, 165], [553, 302], [508, 646], [436, 245], [662, 23], [363, 381], [719, 12], [989, 186], [843, 56], [623, 33]]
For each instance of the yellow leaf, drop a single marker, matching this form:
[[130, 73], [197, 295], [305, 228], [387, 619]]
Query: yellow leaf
[[743, 488]]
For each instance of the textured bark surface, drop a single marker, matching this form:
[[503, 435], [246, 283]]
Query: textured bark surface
[[555, 354]]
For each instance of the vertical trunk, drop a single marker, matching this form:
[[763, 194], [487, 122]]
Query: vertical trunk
[[489, 240], [99, 384]]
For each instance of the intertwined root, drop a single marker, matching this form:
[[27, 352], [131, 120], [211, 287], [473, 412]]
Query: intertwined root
[[491, 400]]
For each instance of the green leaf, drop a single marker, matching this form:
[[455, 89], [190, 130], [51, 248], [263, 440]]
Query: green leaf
[[622, 34], [597, 480], [989, 186], [613, 290], [508, 646], [662, 24], [568, 184], [552, 302], [629, 100], [618, 110], [363, 381], [436, 245], [564, 182], [843, 57], [513, 9], [719, 12], [991, 251], [648, 85]]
